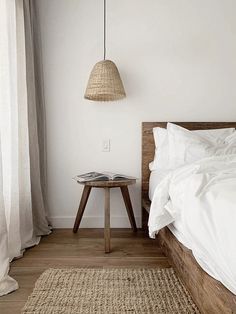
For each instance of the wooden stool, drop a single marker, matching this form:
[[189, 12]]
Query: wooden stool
[[106, 185]]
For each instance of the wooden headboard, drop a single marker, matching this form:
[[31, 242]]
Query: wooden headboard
[[148, 146]]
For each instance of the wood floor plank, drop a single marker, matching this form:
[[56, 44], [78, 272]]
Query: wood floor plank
[[11, 307], [85, 249], [95, 249], [67, 235], [97, 262]]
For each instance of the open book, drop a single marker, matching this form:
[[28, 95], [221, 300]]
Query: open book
[[100, 176]]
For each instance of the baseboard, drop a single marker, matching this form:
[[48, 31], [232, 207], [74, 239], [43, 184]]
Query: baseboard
[[92, 222]]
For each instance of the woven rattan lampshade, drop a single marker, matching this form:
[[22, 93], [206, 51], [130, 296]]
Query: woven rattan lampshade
[[105, 83]]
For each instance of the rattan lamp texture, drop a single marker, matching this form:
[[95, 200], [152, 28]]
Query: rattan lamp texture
[[105, 83]]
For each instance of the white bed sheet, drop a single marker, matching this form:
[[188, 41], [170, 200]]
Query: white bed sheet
[[156, 177], [198, 204]]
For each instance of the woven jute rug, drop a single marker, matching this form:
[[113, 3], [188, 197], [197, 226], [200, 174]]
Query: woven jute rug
[[109, 291]]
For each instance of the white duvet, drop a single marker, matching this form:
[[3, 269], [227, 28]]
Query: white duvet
[[200, 200]]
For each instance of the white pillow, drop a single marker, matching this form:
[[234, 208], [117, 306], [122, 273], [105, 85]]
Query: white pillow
[[230, 139], [162, 151], [216, 136], [186, 146]]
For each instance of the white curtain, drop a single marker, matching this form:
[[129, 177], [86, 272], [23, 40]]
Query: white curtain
[[17, 157]]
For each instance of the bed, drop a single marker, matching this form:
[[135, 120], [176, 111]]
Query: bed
[[209, 294]]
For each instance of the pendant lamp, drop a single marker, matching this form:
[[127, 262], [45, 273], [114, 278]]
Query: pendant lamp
[[105, 83]]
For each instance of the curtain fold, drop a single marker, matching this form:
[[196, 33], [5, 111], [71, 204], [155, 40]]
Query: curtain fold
[[7, 284], [22, 137], [36, 114]]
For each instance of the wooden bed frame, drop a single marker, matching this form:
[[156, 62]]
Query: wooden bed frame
[[209, 294]]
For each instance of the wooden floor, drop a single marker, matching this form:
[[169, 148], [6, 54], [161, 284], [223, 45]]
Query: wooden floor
[[63, 248]]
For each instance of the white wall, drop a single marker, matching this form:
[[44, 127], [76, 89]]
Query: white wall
[[177, 60]]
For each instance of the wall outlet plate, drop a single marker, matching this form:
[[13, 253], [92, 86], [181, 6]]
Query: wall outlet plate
[[106, 145]]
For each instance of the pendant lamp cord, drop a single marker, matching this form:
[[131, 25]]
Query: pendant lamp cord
[[104, 30]]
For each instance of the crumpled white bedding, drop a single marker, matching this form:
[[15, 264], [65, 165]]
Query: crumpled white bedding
[[198, 203]]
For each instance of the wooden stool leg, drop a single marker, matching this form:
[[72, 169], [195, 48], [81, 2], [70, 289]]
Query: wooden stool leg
[[128, 205], [82, 205], [107, 220]]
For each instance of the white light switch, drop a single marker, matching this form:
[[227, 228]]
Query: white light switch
[[106, 145]]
